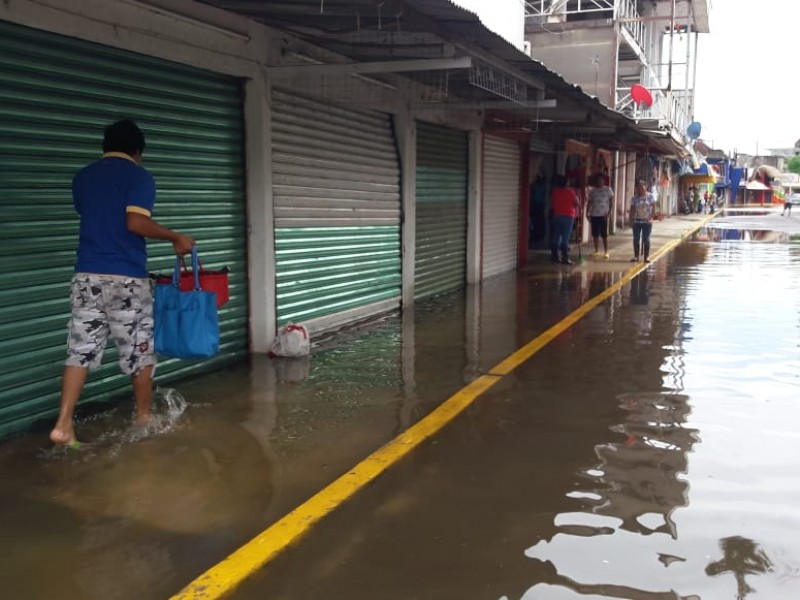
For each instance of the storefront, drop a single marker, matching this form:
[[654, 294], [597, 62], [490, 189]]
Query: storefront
[[337, 206], [56, 96], [500, 205], [441, 207]]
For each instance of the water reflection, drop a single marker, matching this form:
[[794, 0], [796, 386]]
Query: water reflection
[[635, 486], [741, 557], [595, 592], [640, 288], [722, 232], [744, 212], [641, 482]]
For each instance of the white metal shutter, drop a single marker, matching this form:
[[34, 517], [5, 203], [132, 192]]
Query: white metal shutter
[[336, 188], [500, 205]]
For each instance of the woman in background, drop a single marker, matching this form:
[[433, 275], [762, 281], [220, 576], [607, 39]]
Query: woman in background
[[565, 207]]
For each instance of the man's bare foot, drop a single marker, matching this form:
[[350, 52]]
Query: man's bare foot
[[62, 437], [143, 420]]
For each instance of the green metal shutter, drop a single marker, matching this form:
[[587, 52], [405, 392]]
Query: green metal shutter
[[441, 246], [336, 188], [56, 95], [500, 205]]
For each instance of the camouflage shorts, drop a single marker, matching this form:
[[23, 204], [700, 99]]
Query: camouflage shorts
[[120, 306]]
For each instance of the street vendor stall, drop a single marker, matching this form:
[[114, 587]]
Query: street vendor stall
[[758, 192], [696, 183]]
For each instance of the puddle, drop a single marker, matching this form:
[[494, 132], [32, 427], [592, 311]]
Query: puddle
[[725, 232]]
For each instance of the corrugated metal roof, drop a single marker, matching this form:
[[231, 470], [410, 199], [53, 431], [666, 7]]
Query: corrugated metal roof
[[364, 30]]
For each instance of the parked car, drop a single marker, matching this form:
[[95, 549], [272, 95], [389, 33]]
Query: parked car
[[793, 199]]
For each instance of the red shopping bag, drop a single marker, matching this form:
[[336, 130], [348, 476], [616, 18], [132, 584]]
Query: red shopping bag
[[210, 281]]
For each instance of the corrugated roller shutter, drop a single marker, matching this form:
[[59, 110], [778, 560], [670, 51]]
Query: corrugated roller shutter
[[441, 246], [500, 205], [336, 188], [56, 95]]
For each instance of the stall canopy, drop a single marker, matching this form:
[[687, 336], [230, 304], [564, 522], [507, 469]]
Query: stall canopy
[[702, 174], [757, 185], [698, 179]]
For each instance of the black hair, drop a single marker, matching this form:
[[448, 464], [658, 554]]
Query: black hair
[[123, 136], [560, 180]]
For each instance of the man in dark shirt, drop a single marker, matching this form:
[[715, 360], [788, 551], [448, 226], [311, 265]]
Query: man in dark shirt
[[111, 293]]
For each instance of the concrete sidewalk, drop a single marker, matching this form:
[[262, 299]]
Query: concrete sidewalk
[[620, 246]]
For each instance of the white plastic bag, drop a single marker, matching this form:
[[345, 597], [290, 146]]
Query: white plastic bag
[[292, 340]]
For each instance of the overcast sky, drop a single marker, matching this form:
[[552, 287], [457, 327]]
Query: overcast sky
[[746, 91]]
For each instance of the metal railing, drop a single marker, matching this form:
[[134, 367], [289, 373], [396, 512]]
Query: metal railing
[[547, 8], [667, 106], [673, 107], [626, 12], [620, 10]]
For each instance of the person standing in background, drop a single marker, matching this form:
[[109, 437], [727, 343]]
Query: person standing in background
[[600, 205], [565, 207], [643, 209]]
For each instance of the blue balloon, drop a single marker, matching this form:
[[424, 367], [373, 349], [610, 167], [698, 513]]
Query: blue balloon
[[693, 131]]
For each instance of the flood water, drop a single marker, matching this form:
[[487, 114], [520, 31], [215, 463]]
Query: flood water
[[650, 452]]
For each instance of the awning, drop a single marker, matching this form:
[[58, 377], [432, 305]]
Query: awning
[[704, 169], [517, 93], [757, 185]]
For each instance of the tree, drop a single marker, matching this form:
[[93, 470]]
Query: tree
[[794, 164]]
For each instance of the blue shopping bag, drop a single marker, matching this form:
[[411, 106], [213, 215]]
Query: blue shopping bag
[[186, 323]]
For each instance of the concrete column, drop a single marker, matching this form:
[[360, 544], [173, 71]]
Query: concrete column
[[406, 131], [523, 234], [474, 204], [623, 189], [615, 185], [630, 185], [260, 226]]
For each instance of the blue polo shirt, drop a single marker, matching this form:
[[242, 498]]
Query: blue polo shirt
[[103, 193]]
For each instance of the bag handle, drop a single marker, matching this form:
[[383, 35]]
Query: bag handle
[[196, 268], [292, 327], [176, 273], [185, 267]]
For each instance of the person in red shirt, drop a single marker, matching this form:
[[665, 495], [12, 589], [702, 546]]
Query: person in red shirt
[[565, 206]]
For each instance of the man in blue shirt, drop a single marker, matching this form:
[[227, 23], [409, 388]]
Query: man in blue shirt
[[111, 292]]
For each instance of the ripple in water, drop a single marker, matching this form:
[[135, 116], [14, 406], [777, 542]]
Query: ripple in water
[[111, 435], [168, 406]]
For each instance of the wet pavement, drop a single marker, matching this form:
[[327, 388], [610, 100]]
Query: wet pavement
[[649, 452]]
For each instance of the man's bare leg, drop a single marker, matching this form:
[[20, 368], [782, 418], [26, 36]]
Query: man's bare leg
[[72, 384], [143, 392]]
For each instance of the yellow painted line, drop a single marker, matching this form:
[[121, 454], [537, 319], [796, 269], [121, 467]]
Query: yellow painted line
[[223, 578], [523, 354]]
